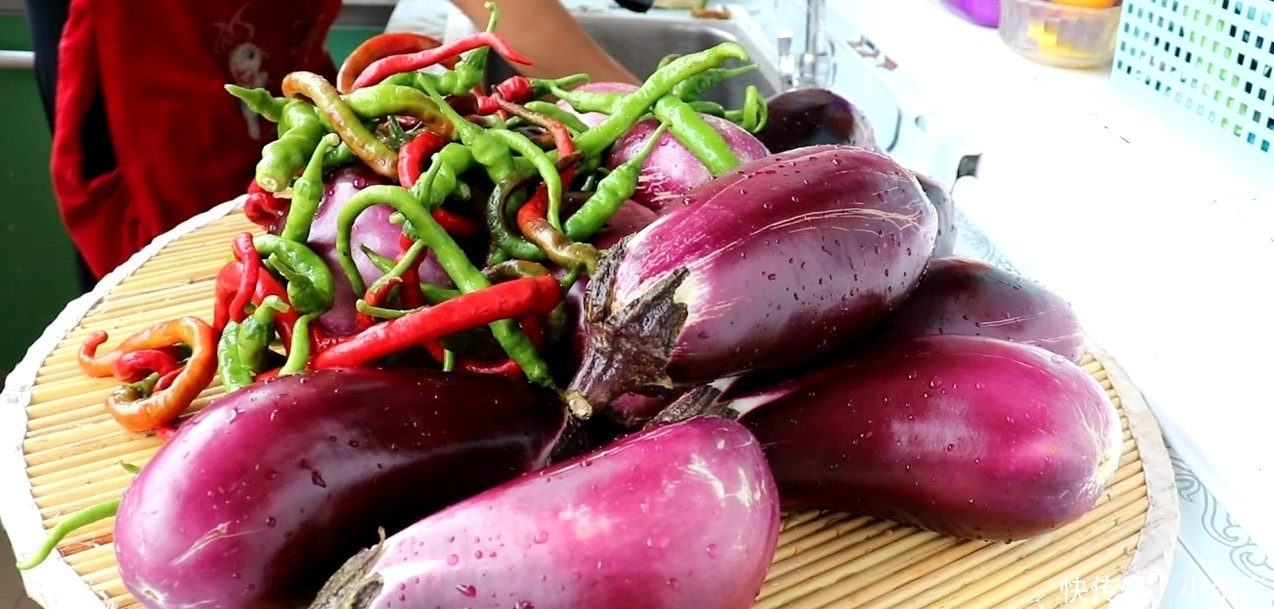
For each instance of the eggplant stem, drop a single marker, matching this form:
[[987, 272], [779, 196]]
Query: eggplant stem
[[700, 401], [354, 586], [627, 349]]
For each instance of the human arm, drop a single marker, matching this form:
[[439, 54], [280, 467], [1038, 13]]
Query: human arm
[[547, 33]]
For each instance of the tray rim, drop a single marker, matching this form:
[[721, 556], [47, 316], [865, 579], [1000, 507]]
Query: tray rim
[[55, 583]]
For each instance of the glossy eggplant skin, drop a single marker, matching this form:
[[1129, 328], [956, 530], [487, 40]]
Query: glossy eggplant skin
[[968, 436], [679, 516], [261, 496], [811, 116], [966, 296], [769, 265]]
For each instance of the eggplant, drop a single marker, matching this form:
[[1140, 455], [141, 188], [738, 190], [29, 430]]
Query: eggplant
[[810, 116], [960, 295], [945, 243], [968, 436], [261, 496], [680, 516], [769, 265], [372, 229], [671, 169]]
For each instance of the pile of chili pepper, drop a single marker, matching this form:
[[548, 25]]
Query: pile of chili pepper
[[463, 161]]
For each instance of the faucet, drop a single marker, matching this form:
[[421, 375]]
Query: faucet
[[813, 67]]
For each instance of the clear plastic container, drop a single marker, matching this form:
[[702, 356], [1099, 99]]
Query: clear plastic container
[[1060, 35]]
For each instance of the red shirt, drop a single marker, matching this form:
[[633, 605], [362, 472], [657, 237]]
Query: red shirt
[[182, 143]]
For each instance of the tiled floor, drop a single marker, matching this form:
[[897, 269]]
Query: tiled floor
[[11, 593]]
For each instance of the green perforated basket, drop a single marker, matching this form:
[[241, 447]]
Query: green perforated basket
[[1208, 65]]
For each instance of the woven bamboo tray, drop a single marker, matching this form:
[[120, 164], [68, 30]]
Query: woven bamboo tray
[[63, 452]]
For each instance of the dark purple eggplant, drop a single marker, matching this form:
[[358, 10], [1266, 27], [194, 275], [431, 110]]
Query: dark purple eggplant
[[945, 243], [968, 436], [681, 516], [973, 297], [769, 265], [261, 496], [812, 116]]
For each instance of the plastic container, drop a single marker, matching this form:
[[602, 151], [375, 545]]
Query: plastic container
[[1060, 35], [985, 13]]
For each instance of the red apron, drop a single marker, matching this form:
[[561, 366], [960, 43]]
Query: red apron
[[182, 143]]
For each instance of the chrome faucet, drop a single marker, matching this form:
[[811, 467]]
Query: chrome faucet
[[813, 67]]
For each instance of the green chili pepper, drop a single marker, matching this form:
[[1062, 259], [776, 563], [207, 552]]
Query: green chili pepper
[[701, 139], [490, 152], [435, 294], [709, 107], [590, 101], [380, 312], [449, 255], [410, 256], [310, 285], [234, 373], [261, 101], [307, 192], [299, 133], [691, 88], [657, 85], [755, 111], [502, 198], [543, 163], [448, 360], [389, 99], [446, 166], [667, 59], [299, 353], [74, 520], [256, 331], [557, 113], [337, 157], [612, 191]]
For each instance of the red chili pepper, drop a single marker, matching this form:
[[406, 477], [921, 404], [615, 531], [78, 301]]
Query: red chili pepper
[[263, 208], [134, 366], [376, 296], [511, 299], [245, 251], [165, 432], [228, 281], [136, 411], [412, 157], [410, 62], [379, 47]]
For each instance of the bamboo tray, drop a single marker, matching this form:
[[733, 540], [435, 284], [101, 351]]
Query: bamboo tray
[[63, 452]]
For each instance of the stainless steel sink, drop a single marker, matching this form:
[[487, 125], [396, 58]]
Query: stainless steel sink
[[640, 41]]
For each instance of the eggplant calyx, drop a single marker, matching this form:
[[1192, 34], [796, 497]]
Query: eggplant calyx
[[353, 587], [629, 349], [700, 401]]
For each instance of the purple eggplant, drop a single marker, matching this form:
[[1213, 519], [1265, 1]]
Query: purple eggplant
[[944, 245], [681, 516], [372, 229], [671, 169], [261, 496], [769, 265], [810, 116], [964, 435], [966, 296]]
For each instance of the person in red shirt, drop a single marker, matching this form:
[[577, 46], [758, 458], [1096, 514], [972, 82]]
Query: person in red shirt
[[144, 134]]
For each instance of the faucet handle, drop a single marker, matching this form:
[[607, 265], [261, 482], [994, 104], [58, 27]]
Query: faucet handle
[[789, 72]]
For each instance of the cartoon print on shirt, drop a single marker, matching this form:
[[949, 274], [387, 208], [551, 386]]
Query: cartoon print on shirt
[[244, 59]]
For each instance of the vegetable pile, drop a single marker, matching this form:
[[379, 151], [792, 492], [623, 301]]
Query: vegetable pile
[[554, 343]]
